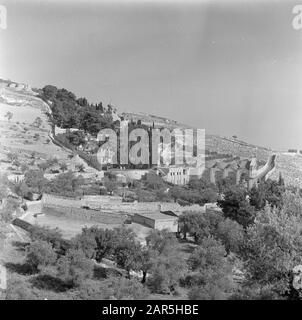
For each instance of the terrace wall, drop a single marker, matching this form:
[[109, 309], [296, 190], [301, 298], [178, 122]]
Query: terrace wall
[[84, 214]]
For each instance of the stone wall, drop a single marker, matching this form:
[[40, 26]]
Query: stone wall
[[107, 209], [84, 214], [131, 174]]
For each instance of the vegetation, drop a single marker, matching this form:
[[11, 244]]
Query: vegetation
[[236, 206], [70, 112], [65, 184], [257, 232]]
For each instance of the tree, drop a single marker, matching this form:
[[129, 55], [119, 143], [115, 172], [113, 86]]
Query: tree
[[236, 206], [76, 138], [50, 92], [82, 102], [24, 167], [166, 271], [110, 185], [40, 254], [153, 181], [49, 235], [175, 192], [112, 288], [209, 276], [98, 243], [93, 289], [157, 243], [231, 235], [274, 192], [80, 167], [35, 180], [201, 184], [127, 289], [161, 241], [4, 190], [9, 115], [271, 249], [257, 197], [86, 241], [63, 166], [44, 165], [11, 156], [281, 182], [292, 203], [267, 191], [127, 255], [7, 210], [18, 289], [196, 224], [37, 122], [74, 267], [199, 191], [255, 292], [66, 184]]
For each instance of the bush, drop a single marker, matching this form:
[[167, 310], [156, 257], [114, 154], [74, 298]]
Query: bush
[[231, 235], [40, 254], [74, 267], [53, 236], [127, 289], [18, 289], [166, 272]]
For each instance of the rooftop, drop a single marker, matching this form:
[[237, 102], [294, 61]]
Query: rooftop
[[156, 216]]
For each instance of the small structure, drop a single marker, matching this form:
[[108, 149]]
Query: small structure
[[178, 175], [157, 220]]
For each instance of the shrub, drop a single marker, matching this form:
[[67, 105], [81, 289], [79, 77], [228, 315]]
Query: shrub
[[74, 267], [40, 254]]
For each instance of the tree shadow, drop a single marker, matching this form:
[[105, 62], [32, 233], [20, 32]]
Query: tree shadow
[[188, 247], [48, 282], [20, 268], [101, 273]]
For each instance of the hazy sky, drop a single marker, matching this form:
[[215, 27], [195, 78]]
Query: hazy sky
[[231, 67]]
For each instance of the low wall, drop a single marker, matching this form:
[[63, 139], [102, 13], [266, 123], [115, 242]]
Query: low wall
[[107, 209], [90, 201], [131, 174], [113, 204], [84, 214], [49, 200]]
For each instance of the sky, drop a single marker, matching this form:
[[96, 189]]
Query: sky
[[230, 67]]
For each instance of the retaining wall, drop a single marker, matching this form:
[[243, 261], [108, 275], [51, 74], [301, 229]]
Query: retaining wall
[[85, 214]]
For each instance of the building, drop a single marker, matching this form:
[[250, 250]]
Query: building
[[177, 175], [130, 174], [157, 220]]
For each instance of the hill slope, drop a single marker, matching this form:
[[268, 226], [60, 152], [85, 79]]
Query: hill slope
[[20, 135]]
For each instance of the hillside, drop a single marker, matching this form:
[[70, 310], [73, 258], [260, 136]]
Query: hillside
[[33, 141], [22, 136]]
